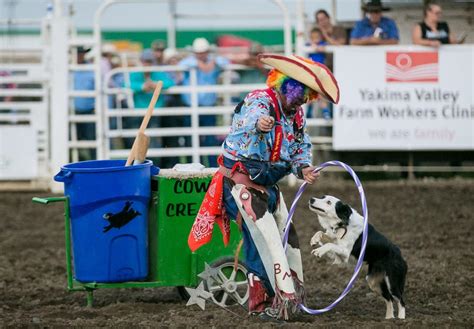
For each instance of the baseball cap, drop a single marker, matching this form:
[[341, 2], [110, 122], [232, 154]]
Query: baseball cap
[[147, 55]]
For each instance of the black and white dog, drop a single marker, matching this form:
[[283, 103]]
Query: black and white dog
[[343, 238]]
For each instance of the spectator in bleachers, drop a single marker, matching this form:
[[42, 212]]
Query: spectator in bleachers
[[431, 31], [117, 100], [257, 73], [158, 47], [143, 84], [117, 80], [84, 80], [171, 57], [317, 43], [108, 51], [375, 29], [334, 35], [6, 99], [208, 69], [6, 86]]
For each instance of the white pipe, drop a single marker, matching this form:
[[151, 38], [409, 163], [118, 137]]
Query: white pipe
[[21, 51], [59, 93], [168, 111], [174, 131], [98, 75], [20, 67], [82, 118], [82, 93], [25, 79], [171, 33], [81, 67], [334, 12], [227, 16], [24, 92], [286, 27], [163, 68], [195, 115], [300, 28], [162, 152], [58, 8], [20, 22]]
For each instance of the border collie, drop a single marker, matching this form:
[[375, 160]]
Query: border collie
[[343, 238]]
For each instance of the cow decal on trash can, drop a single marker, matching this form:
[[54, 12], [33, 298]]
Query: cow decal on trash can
[[121, 218]]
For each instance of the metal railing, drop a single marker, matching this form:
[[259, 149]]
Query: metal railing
[[228, 92], [24, 104], [194, 131]]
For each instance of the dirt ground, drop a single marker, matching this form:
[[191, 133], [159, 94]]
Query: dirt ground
[[431, 221]]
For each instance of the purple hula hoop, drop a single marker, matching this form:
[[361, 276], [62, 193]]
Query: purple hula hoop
[[364, 233]]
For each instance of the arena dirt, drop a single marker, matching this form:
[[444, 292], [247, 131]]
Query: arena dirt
[[432, 222]]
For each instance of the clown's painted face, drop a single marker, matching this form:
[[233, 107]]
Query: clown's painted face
[[294, 92]]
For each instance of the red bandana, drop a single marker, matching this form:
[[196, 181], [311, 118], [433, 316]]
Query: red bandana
[[211, 211]]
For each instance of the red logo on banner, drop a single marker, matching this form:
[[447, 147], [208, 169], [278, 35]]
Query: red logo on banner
[[411, 66]]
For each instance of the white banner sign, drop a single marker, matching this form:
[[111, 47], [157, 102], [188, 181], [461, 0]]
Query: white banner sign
[[404, 98]]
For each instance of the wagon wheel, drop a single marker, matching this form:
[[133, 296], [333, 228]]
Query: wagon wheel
[[231, 286], [230, 283]]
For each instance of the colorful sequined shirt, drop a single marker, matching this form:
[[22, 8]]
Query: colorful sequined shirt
[[245, 141]]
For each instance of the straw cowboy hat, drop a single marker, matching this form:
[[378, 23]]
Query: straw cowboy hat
[[314, 75], [374, 5], [201, 45]]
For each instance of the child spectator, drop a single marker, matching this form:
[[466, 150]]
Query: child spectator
[[208, 68], [317, 43]]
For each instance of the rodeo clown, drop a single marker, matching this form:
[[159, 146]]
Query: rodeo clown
[[267, 141]]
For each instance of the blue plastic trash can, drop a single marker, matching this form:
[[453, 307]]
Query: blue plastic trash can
[[109, 218]]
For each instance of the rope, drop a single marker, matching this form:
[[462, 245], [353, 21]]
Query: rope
[[360, 260]]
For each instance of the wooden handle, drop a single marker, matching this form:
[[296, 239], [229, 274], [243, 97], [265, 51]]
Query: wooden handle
[[145, 121], [142, 147], [151, 106]]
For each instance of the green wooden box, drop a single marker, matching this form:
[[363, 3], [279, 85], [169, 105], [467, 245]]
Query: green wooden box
[[176, 198]]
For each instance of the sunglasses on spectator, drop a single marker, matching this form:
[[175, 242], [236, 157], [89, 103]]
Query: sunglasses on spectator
[[374, 11]]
